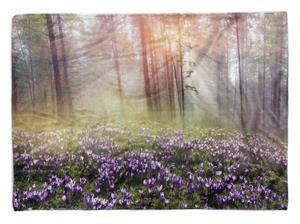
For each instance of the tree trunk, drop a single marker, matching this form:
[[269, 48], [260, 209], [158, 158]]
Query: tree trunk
[[154, 77], [45, 99], [27, 67], [171, 80], [116, 60], [278, 74], [32, 81], [237, 18], [219, 89], [181, 68], [264, 74], [14, 84], [51, 81], [67, 91], [227, 77], [143, 43], [57, 81]]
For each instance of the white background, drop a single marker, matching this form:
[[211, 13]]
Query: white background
[[12, 7]]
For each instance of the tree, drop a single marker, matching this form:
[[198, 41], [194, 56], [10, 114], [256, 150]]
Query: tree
[[200, 67], [242, 110], [57, 79], [181, 88], [14, 83], [115, 52], [143, 42], [155, 92], [65, 67]]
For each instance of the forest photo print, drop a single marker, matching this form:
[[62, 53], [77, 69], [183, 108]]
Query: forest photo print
[[164, 111]]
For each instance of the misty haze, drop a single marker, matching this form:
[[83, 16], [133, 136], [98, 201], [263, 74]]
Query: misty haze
[[166, 111]]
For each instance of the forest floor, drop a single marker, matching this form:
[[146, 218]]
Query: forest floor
[[147, 165]]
